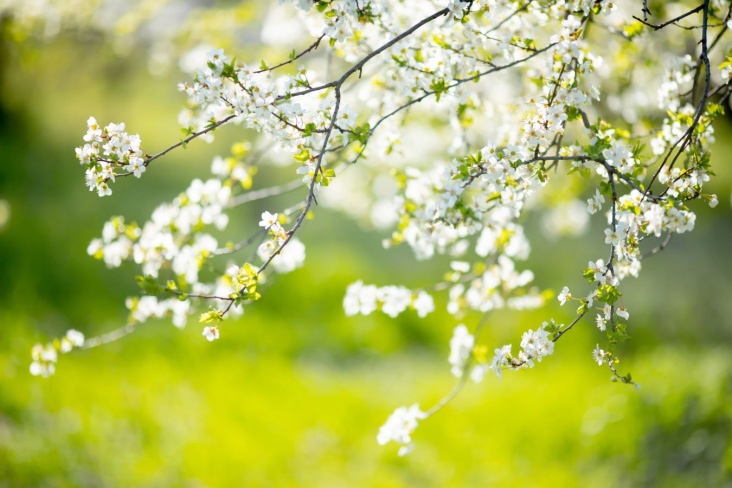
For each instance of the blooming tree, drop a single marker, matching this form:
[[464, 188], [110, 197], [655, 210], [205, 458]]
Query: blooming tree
[[446, 122]]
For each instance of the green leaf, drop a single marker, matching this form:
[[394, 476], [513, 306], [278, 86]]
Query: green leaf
[[302, 156], [213, 315], [149, 285]]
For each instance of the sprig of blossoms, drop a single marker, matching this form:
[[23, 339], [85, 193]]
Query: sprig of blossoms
[[46, 357], [399, 427], [461, 346], [535, 345], [108, 153], [392, 300]]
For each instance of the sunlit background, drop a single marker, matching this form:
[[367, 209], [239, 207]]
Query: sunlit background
[[294, 392]]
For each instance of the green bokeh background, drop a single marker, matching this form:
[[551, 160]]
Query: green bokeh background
[[294, 392]]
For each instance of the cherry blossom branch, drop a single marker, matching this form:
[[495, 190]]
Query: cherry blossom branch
[[108, 337], [463, 377], [263, 193], [683, 142], [672, 21], [337, 87], [311, 191], [624, 379], [645, 10], [610, 168], [312, 47], [658, 248], [362, 62], [429, 93], [188, 139], [240, 245]]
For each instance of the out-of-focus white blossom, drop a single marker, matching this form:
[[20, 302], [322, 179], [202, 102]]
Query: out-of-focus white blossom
[[399, 427], [461, 345]]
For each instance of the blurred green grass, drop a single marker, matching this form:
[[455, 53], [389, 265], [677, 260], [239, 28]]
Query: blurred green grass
[[294, 393], [141, 413]]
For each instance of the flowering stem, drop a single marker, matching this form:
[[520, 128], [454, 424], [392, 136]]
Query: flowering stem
[[108, 337], [266, 193], [189, 139], [685, 140], [463, 377]]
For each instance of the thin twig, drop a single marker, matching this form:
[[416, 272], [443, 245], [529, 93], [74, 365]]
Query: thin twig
[[672, 21], [265, 193], [108, 337]]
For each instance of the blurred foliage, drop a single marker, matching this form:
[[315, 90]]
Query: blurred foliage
[[293, 394]]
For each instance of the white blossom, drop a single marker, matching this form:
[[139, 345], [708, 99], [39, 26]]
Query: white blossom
[[211, 333], [598, 355], [399, 427], [461, 345], [564, 296]]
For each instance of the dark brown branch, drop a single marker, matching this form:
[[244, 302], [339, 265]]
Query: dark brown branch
[[312, 47], [672, 21], [190, 138]]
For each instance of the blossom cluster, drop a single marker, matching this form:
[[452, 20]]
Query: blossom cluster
[[392, 300], [399, 427], [461, 346], [225, 91], [45, 357], [534, 346], [175, 243], [108, 151], [172, 236], [145, 307]]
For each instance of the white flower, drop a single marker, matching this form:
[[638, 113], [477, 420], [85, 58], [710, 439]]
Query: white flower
[[291, 257], [43, 370], [654, 216], [44, 358], [75, 337], [460, 266], [217, 58], [395, 300], [500, 360], [537, 344], [423, 304], [600, 322], [564, 296], [622, 312], [268, 220], [713, 201], [594, 204], [461, 345], [478, 373], [265, 250], [211, 333], [180, 310], [598, 268], [617, 236], [607, 310], [66, 346], [457, 7], [399, 427], [598, 355], [360, 298]]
